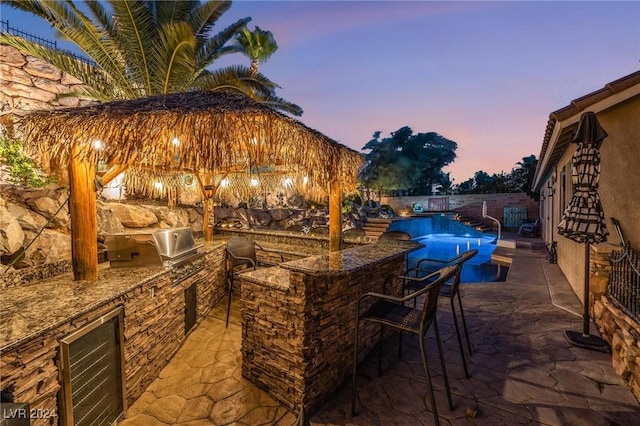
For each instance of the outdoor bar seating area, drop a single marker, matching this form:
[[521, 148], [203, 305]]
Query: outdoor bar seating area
[[159, 284]]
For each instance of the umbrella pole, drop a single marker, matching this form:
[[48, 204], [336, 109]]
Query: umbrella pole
[[586, 340]]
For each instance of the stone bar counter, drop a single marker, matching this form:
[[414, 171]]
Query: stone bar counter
[[37, 315], [298, 319]]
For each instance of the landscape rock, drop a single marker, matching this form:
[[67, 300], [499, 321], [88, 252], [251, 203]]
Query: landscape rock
[[133, 216], [49, 247], [260, 217], [108, 223], [11, 234], [28, 220], [47, 207], [279, 214]]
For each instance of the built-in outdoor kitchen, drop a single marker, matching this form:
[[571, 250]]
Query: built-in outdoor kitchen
[[82, 340], [133, 319], [87, 350]]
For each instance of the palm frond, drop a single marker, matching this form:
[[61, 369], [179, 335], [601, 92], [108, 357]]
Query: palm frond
[[239, 78], [202, 18], [102, 16], [236, 76], [137, 34], [172, 11], [213, 48], [173, 58]]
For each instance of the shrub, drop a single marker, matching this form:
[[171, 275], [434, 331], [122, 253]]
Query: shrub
[[23, 169]]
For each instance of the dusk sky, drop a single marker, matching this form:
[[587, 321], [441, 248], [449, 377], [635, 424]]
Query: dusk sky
[[484, 74]]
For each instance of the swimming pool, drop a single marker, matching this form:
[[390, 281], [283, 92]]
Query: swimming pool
[[445, 238]]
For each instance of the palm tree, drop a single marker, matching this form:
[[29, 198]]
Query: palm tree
[[257, 45], [143, 48]]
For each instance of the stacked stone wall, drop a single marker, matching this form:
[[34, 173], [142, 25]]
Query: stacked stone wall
[[29, 84], [153, 332], [615, 326], [298, 339]]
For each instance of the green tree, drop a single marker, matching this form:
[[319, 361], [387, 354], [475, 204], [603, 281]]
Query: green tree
[[407, 162], [520, 179], [257, 45], [142, 48], [522, 176]]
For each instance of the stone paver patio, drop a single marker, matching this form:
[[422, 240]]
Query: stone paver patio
[[523, 371]]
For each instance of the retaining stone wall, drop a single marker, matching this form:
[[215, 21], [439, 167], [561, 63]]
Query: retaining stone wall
[[153, 332], [614, 325], [29, 84], [298, 339]]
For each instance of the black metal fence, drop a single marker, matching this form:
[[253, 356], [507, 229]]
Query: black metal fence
[[6, 28], [624, 281]]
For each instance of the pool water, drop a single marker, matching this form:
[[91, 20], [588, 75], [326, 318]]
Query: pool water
[[444, 246], [445, 238]]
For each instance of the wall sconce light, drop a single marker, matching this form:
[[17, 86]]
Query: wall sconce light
[[158, 185], [224, 182], [254, 182]]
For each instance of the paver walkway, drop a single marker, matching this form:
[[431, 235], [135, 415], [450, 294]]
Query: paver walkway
[[523, 371]]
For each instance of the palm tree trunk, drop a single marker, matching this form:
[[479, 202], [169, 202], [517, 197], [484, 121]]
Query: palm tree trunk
[[255, 66]]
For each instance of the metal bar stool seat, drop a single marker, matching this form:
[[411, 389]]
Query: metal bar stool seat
[[241, 257], [391, 311], [452, 291]]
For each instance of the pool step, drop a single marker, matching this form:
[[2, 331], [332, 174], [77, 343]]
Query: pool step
[[477, 223], [375, 227]]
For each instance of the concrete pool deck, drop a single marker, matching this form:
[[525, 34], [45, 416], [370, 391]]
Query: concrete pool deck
[[523, 371]]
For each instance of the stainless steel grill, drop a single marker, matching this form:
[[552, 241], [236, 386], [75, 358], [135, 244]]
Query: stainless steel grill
[[168, 247]]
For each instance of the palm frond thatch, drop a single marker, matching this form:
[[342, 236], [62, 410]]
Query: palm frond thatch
[[201, 132]]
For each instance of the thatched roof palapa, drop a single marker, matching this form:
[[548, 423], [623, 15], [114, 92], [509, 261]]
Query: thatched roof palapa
[[206, 133]]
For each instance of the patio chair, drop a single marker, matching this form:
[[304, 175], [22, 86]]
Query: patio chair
[[530, 229], [241, 257], [391, 311], [452, 291]]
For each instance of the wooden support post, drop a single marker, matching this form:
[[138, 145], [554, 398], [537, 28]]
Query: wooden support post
[[208, 231], [84, 224], [335, 215], [207, 195]]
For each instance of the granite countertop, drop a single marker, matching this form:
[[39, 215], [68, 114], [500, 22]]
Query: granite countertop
[[274, 276], [294, 249], [31, 310], [353, 259]]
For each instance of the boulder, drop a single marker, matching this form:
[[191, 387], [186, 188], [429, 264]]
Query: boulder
[[108, 223], [193, 214], [28, 220], [260, 217], [133, 216], [161, 212], [197, 225], [49, 247], [47, 202], [11, 234], [223, 213], [178, 218], [279, 214]]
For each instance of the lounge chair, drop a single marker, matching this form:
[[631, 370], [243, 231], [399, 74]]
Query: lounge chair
[[530, 229]]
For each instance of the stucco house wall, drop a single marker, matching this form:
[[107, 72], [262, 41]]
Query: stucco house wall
[[619, 189], [617, 107]]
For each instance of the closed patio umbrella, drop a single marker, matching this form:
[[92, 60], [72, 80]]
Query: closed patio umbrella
[[583, 219]]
